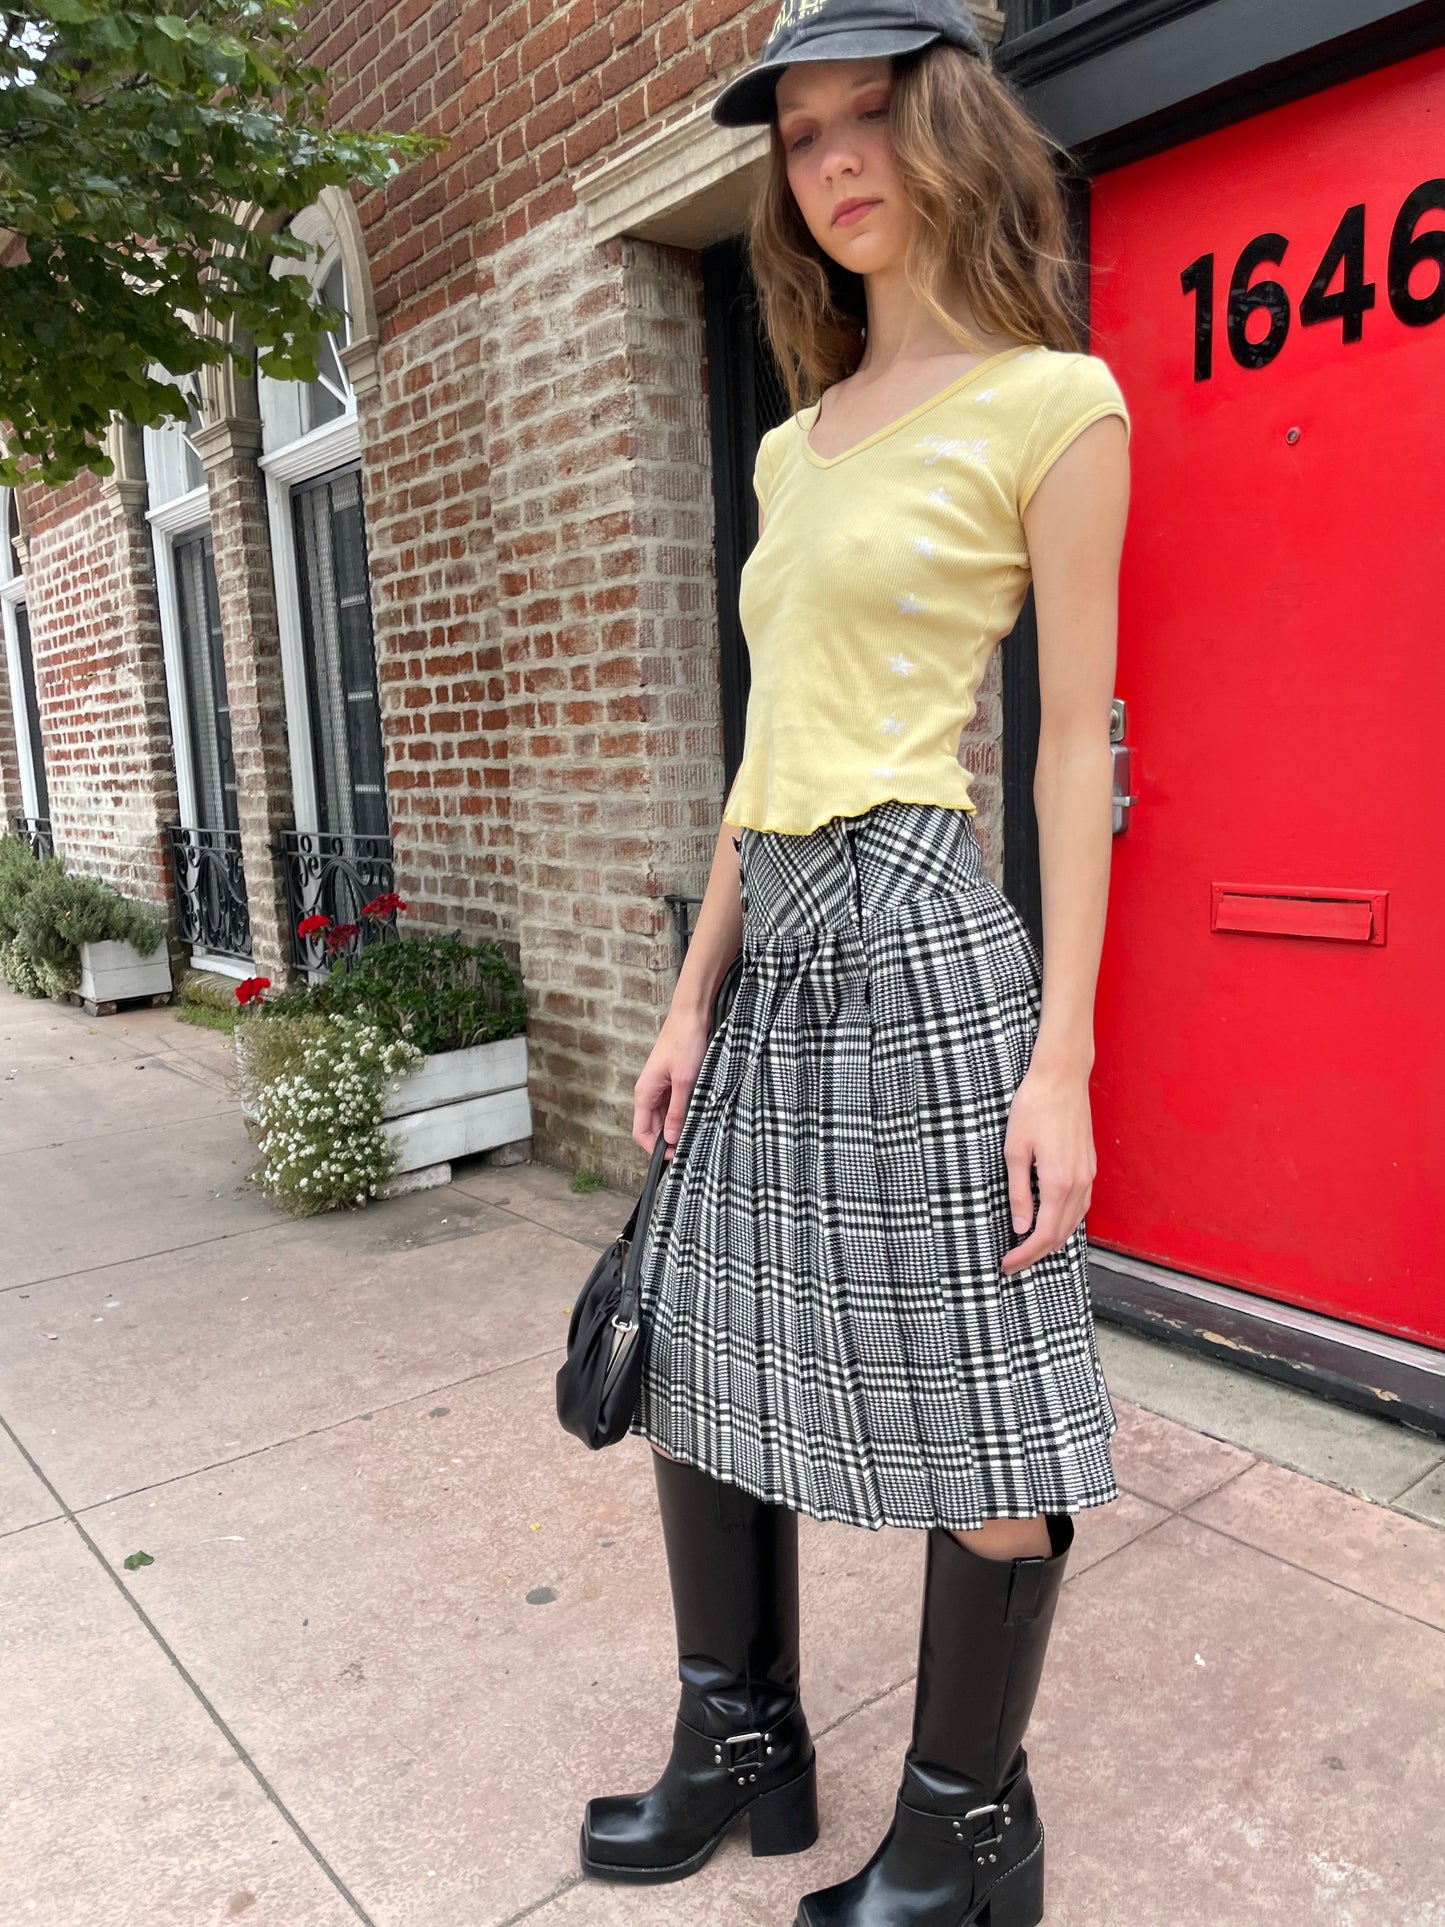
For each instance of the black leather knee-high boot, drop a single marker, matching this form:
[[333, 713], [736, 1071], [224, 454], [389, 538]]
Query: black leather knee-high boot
[[741, 1745], [966, 1847]]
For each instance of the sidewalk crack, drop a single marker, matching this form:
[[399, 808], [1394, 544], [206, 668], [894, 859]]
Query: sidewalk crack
[[202, 1698]]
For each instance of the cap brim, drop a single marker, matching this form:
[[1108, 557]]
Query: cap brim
[[748, 100]]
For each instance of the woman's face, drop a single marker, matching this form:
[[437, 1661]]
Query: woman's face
[[832, 120]]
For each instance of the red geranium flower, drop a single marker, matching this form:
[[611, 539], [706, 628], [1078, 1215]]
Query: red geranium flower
[[313, 925], [385, 905], [248, 991], [341, 935]]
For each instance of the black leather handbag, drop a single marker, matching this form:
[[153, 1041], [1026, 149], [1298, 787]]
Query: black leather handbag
[[598, 1380]]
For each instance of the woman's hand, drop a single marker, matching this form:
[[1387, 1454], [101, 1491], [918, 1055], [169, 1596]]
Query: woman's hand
[[660, 1095], [1049, 1127]]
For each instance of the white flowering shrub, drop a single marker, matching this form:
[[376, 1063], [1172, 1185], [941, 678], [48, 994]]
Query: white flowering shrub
[[318, 1111]]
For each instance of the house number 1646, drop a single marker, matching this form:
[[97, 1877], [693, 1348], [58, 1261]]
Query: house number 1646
[[1410, 247]]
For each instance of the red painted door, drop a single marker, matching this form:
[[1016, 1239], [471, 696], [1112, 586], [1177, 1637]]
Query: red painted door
[[1269, 1089]]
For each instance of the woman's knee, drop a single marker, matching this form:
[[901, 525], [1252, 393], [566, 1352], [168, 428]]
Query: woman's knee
[[1009, 1539]]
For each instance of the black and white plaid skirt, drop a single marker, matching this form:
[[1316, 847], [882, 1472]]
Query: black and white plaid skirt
[[825, 1323]]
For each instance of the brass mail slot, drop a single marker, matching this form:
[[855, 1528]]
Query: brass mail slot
[[1346, 916]]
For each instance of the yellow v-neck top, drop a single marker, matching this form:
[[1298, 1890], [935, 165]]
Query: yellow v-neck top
[[883, 580]]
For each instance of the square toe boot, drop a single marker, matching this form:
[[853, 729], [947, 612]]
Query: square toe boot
[[966, 1846], [741, 1747]]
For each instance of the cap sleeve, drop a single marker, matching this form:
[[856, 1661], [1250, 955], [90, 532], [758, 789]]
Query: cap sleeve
[[1085, 392], [762, 473]]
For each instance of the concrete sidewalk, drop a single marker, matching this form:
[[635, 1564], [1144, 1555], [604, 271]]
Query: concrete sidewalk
[[398, 1626]]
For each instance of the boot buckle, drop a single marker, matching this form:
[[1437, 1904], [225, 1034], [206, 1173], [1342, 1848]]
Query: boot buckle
[[722, 1754], [988, 1844]]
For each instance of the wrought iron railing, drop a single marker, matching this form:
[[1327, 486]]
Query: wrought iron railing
[[36, 832], [211, 908], [334, 877]]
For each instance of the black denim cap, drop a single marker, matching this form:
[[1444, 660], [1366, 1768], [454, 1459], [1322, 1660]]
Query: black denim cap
[[840, 30]]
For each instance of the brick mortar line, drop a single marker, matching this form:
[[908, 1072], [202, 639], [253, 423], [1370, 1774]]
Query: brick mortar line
[[193, 1684]]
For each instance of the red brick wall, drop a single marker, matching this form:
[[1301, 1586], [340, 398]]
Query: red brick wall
[[537, 476], [540, 519], [602, 516], [433, 572], [100, 683], [525, 93]]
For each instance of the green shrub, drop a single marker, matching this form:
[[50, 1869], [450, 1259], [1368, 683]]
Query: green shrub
[[46, 915], [21, 974], [437, 992], [18, 869], [315, 1058]]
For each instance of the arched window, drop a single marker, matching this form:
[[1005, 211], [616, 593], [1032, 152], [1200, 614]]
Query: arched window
[[292, 410], [173, 468], [338, 855], [205, 841]]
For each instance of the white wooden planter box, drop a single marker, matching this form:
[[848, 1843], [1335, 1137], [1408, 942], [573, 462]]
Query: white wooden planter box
[[458, 1103], [111, 972], [452, 1105]]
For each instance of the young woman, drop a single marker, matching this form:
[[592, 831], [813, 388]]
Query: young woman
[[865, 1291]]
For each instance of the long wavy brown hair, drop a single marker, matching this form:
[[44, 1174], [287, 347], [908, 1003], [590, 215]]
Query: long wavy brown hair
[[992, 221]]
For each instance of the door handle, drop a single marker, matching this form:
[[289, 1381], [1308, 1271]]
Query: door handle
[[1124, 801]]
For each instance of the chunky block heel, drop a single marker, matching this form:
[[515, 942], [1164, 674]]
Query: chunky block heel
[[1018, 1899], [786, 1820]]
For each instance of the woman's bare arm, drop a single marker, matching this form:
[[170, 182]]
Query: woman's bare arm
[[661, 1093], [715, 936], [1075, 528]]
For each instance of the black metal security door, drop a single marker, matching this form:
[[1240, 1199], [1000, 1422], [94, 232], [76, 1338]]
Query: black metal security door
[[340, 649], [208, 709]]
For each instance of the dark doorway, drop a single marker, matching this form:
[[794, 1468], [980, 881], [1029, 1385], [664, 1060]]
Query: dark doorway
[[746, 398]]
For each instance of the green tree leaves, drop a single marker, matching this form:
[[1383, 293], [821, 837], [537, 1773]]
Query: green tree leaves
[[148, 159]]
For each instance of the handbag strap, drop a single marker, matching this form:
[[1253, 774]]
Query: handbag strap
[[634, 1231]]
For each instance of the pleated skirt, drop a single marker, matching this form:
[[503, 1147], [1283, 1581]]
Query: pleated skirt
[[825, 1321]]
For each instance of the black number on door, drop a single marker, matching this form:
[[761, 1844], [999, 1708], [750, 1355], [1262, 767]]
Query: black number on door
[[1411, 247]]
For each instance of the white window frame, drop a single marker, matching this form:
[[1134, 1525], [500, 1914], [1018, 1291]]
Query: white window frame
[[336, 444], [12, 594], [184, 516]]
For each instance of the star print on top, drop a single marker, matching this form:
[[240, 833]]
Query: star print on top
[[883, 581]]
